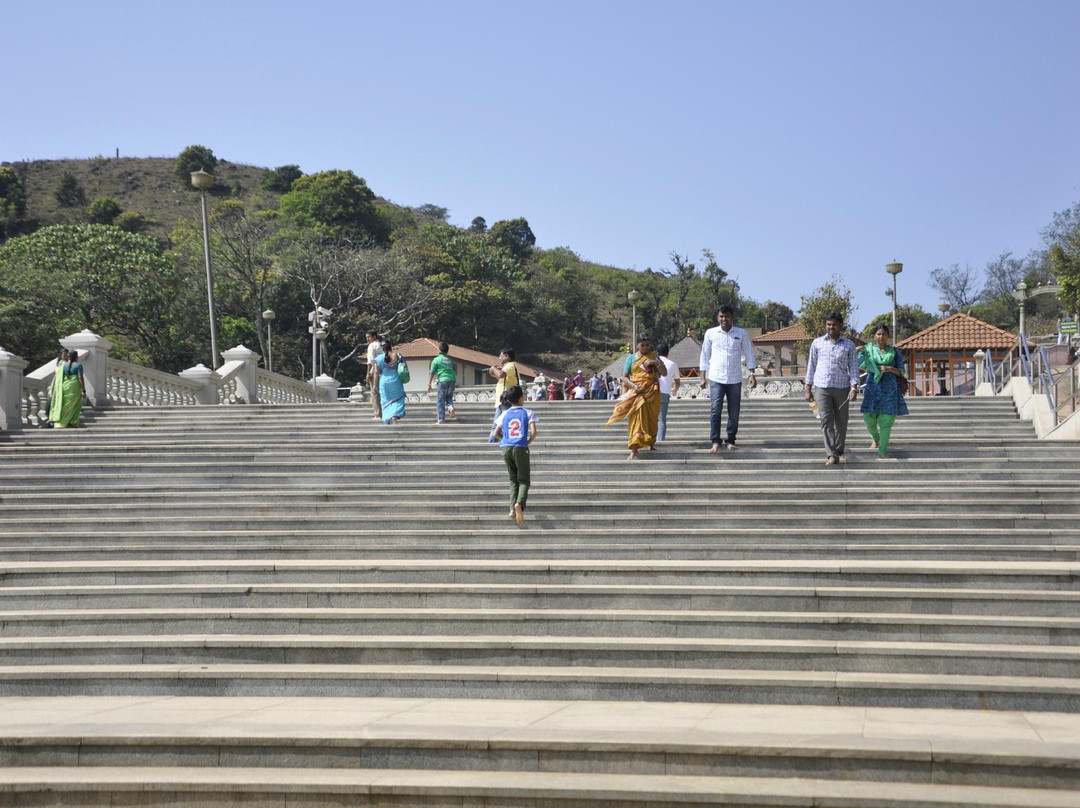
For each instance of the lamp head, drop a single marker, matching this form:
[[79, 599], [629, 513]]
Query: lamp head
[[269, 314], [201, 180], [895, 268], [633, 296]]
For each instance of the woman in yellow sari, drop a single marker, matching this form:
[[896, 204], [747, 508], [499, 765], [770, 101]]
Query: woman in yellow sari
[[640, 402]]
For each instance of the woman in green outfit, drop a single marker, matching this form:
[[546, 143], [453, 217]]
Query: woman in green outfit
[[68, 392]]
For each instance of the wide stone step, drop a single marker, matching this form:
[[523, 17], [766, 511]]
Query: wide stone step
[[742, 624], [970, 659], [1042, 693], [897, 600], [704, 546], [55, 786], [988, 574], [883, 745]]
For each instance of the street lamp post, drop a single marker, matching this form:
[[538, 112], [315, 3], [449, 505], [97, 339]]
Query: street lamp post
[[894, 269], [1021, 294], [317, 329], [943, 308], [201, 180], [633, 297], [268, 318]]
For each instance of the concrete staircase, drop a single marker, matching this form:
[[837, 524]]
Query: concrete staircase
[[300, 606]]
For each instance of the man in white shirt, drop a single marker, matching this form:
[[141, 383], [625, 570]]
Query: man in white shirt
[[722, 351], [374, 350], [669, 386]]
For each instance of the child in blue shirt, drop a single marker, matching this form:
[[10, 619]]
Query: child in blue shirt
[[515, 429]]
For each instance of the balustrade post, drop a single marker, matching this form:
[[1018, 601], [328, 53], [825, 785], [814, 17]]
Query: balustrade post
[[94, 357], [327, 388], [247, 380], [11, 376], [209, 379]]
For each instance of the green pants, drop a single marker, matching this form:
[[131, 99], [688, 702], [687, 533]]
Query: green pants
[[879, 426], [517, 465]]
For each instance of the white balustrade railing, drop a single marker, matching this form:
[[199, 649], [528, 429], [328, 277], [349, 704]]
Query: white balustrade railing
[[273, 388], [34, 401], [136, 386]]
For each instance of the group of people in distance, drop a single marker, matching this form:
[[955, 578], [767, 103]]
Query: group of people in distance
[[649, 381], [832, 384]]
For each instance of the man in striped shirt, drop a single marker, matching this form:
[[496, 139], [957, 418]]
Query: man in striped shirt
[[832, 380]]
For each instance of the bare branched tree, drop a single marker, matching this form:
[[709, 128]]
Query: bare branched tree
[[365, 287], [957, 287]]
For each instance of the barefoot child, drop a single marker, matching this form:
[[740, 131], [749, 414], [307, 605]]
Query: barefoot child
[[515, 429]]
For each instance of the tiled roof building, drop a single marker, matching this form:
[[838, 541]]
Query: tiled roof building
[[941, 359]]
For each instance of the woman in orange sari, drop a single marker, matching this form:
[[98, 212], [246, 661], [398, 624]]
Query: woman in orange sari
[[640, 402]]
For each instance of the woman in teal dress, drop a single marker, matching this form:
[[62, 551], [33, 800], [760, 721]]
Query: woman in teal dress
[[68, 391], [391, 390], [882, 401]]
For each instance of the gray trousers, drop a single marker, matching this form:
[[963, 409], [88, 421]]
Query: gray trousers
[[834, 407]]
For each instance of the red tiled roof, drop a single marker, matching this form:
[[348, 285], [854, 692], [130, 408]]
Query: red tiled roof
[[958, 332], [796, 332], [427, 348]]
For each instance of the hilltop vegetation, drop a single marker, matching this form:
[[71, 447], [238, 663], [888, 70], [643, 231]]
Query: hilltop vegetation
[[288, 242], [115, 245]]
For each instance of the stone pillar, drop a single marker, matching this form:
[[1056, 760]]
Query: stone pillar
[[247, 380], [94, 357], [11, 375], [209, 379], [327, 387]]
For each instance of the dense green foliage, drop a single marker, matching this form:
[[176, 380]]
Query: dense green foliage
[[286, 242], [12, 200], [65, 278], [280, 179], [70, 194], [103, 210], [909, 320], [192, 159], [336, 204], [833, 296], [1063, 237]]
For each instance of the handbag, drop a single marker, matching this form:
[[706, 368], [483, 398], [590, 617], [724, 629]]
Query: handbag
[[403, 371], [900, 380]]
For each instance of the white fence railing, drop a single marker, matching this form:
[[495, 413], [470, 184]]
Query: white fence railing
[[136, 386]]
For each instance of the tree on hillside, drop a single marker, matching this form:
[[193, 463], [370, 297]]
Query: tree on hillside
[[436, 212], [831, 296], [64, 278], [191, 160], [957, 287], [909, 320], [1063, 240], [69, 194], [336, 204], [514, 235], [12, 200], [103, 210], [776, 315], [478, 225], [280, 179]]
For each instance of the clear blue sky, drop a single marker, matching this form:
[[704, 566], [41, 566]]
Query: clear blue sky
[[793, 139]]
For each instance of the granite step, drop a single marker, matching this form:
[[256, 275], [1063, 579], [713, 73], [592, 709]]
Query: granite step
[[671, 653]]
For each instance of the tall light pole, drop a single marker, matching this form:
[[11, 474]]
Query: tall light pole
[[317, 329], [894, 269], [268, 318], [201, 180], [1021, 294], [633, 297], [943, 308]]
